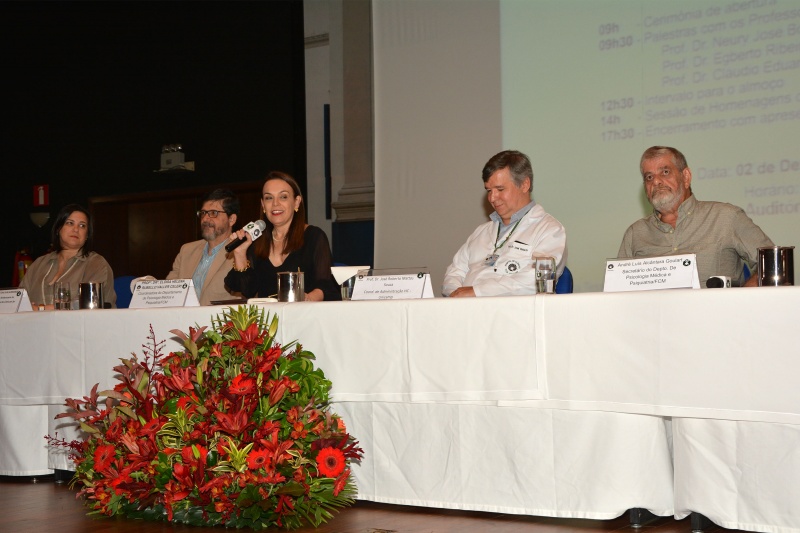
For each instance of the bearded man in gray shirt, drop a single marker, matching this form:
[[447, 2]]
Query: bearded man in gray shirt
[[722, 236]]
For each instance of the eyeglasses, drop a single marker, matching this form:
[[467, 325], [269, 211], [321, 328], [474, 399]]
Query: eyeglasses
[[212, 213]]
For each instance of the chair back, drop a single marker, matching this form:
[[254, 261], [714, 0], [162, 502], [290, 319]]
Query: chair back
[[564, 283], [122, 286]]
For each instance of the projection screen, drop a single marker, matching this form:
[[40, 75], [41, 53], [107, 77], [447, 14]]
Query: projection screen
[[583, 87]]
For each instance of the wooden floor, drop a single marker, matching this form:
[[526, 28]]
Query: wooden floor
[[44, 506]]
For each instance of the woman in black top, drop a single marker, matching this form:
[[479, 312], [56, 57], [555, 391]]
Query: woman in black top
[[288, 245]]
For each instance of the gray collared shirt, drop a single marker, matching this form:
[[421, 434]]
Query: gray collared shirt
[[722, 236]]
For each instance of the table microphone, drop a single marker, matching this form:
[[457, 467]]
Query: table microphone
[[255, 229], [718, 282]]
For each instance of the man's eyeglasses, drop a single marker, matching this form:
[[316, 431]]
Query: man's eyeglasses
[[212, 213]]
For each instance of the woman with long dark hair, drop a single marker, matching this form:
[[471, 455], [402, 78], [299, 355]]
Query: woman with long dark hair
[[288, 245]]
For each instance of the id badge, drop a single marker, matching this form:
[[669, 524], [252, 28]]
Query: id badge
[[491, 260]]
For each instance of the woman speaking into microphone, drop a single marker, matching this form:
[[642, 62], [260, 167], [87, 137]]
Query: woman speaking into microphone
[[287, 245]]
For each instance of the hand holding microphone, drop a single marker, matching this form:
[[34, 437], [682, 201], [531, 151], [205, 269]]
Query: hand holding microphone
[[254, 229]]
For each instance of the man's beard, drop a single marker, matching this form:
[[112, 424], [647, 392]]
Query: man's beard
[[211, 232], [666, 200]]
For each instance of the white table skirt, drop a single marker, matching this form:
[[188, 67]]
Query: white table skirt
[[23, 449], [511, 460], [741, 475]]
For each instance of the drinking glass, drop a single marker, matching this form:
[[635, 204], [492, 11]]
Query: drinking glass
[[545, 268], [62, 298]]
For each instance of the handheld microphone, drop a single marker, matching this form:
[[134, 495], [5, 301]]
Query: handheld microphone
[[255, 229]]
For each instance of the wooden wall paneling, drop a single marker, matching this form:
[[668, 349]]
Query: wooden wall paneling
[[157, 230], [140, 234], [111, 235]]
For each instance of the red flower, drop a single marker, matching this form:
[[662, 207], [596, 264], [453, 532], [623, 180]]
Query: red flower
[[330, 461], [265, 363], [278, 450], [293, 415], [188, 454], [285, 506], [151, 428], [257, 459], [180, 380], [242, 385], [249, 339], [187, 403], [277, 388], [233, 424], [266, 429], [122, 479], [341, 482], [103, 456]]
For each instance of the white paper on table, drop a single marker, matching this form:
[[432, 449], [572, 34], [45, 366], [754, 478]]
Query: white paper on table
[[343, 273]]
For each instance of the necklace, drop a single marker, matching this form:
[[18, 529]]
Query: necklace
[[274, 238]]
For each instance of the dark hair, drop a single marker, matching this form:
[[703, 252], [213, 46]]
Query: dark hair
[[61, 219], [297, 227], [657, 151], [518, 164], [230, 202]]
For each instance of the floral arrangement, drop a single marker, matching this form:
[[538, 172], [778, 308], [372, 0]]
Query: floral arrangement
[[235, 430]]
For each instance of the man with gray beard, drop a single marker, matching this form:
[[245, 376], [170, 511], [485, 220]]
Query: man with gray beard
[[722, 236], [205, 261]]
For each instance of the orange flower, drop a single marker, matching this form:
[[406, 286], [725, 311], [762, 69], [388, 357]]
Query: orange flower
[[330, 461], [299, 431]]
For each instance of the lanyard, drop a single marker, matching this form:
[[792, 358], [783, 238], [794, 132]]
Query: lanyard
[[498, 246]]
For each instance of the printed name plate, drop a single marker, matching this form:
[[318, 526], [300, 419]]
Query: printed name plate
[[650, 273], [164, 293], [14, 301], [392, 284]]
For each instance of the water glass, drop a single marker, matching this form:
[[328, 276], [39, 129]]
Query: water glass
[[291, 287], [62, 297], [90, 295], [347, 288], [545, 268]]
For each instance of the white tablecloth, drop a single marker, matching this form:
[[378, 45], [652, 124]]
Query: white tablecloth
[[725, 354], [547, 405], [427, 350]]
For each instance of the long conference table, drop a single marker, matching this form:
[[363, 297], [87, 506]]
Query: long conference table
[[579, 405]]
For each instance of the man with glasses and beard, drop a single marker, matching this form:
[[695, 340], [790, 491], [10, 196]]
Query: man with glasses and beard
[[722, 236], [205, 261]]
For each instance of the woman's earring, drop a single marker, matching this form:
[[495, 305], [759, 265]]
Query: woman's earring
[[296, 209]]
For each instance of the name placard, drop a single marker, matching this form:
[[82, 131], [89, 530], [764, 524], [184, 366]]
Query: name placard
[[164, 293], [397, 286], [14, 301], [652, 273]]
